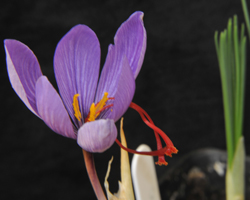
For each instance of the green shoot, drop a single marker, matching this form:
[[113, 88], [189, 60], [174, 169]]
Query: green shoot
[[231, 53]]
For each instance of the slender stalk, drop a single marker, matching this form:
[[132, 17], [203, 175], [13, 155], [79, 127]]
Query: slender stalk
[[90, 166]]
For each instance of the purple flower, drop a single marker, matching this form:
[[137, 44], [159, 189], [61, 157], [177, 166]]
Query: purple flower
[[88, 105]]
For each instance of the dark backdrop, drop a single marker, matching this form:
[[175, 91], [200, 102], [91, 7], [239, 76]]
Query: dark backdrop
[[179, 86]]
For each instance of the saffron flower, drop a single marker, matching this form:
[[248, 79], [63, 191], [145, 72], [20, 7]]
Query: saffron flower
[[88, 106]]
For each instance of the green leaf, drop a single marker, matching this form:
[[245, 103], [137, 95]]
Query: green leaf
[[231, 52], [245, 11]]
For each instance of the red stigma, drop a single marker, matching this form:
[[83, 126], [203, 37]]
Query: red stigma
[[168, 150]]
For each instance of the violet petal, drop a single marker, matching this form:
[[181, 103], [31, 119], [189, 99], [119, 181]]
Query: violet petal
[[97, 136], [131, 39], [23, 70], [117, 79], [51, 109], [76, 66]]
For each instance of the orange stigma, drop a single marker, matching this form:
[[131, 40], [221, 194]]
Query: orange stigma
[[168, 150], [96, 109]]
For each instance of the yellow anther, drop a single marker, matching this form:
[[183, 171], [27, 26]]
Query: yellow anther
[[76, 107], [103, 101], [94, 110]]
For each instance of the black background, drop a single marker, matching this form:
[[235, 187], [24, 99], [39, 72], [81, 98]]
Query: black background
[[179, 86]]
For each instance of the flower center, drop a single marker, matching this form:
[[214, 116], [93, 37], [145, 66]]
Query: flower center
[[95, 109]]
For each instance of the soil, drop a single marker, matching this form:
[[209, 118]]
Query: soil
[[199, 175]]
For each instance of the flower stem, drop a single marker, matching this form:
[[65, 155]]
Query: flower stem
[[90, 166]]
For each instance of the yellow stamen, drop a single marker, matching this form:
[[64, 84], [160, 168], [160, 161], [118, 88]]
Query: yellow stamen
[[76, 107], [103, 101], [94, 109], [92, 112]]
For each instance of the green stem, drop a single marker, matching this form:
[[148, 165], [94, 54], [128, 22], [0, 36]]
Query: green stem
[[90, 166], [235, 187]]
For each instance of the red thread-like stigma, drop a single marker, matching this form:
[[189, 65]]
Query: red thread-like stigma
[[168, 150]]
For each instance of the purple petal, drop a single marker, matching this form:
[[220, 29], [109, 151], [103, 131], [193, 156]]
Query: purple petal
[[131, 39], [24, 70], [51, 109], [117, 79], [97, 136], [76, 65]]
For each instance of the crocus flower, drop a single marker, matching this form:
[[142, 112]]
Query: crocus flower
[[88, 105]]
